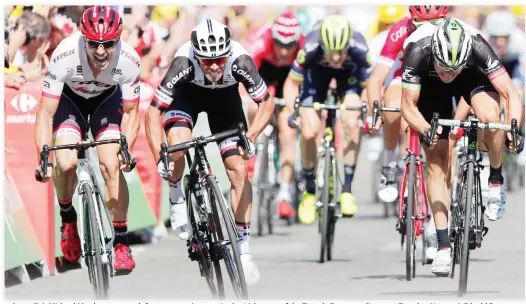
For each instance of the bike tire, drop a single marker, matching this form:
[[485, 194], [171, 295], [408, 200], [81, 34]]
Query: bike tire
[[261, 210], [262, 163], [409, 230], [240, 285], [464, 261], [324, 218], [98, 282], [270, 214], [331, 215]]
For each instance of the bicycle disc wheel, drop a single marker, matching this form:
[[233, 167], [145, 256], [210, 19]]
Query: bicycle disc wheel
[[324, 218], [232, 258], [464, 261], [409, 229], [97, 269]]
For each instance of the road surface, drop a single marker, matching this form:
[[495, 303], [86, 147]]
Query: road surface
[[368, 264]]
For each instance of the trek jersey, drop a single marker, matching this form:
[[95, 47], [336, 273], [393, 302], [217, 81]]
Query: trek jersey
[[262, 47], [419, 61], [69, 65], [185, 69], [312, 55]]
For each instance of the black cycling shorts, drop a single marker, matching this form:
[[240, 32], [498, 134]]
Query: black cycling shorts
[[436, 96], [222, 106], [274, 76], [104, 112], [316, 84]]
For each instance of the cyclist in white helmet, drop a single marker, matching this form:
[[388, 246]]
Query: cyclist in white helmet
[[204, 77]]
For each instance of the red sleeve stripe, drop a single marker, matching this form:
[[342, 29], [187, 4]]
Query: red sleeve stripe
[[50, 96]]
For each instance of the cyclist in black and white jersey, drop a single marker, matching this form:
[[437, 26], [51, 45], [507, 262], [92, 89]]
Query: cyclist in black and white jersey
[[445, 59], [204, 77]]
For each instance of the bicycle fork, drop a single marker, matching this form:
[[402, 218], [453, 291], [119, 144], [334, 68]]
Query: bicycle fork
[[333, 177]]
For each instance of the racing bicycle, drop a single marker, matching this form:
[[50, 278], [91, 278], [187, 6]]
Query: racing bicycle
[[96, 229], [208, 245]]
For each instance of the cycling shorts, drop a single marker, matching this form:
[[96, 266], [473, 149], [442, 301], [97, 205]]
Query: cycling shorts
[[222, 106], [101, 114], [274, 76]]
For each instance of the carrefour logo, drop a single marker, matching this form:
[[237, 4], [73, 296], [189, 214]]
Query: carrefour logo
[[22, 103]]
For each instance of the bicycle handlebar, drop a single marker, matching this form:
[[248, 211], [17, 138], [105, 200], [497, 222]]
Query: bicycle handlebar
[[83, 146], [203, 141], [330, 107], [475, 123], [377, 109]]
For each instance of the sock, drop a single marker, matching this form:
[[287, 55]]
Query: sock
[[495, 176], [310, 184], [286, 188], [349, 175], [243, 229], [176, 193], [121, 232], [389, 157], [443, 239], [67, 211]]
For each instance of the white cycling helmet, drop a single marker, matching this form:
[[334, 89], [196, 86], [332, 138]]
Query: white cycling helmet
[[211, 39], [451, 44], [500, 23]]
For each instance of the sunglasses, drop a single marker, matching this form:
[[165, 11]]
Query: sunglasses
[[282, 45], [106, 44], [445, 68], [209, 62]]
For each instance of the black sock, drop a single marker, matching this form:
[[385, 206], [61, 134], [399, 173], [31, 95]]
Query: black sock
[[443, 239], [349, 174], [495, 175], [121, 232], [310, 184], [67, 211]]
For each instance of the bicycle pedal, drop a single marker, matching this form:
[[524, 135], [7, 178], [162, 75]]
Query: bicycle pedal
[[485, 231]]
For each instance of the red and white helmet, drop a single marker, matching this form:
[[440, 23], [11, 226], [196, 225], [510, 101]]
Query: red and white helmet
[[428, 12], [286, 29], [101, 23]]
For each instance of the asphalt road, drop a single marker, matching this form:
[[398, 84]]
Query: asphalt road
[[368, 264]]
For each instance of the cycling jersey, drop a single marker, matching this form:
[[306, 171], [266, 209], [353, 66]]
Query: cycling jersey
[[69, 65], [420, 62], [392, 52], [185, 69], [312, 55], [262, 47]]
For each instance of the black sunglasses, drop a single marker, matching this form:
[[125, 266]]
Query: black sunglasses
[[106, 44]]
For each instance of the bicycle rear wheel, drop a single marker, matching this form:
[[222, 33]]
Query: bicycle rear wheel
[[409, 226], [324, 216], [464, 261], [231, 257], [99, 273]]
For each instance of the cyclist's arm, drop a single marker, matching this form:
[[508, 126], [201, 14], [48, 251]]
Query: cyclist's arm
[[131, 121], [414, 60], [485, 57], [291, 87], [257, 90], [462, 110], [163, 98]]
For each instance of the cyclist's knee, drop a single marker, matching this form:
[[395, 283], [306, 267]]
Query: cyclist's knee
[[109, 164], [66, 163], [236, 170], [177, 135]]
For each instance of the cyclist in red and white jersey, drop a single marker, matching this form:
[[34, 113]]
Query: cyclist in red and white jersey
[[273, 50], [92, 83], [387, 75]]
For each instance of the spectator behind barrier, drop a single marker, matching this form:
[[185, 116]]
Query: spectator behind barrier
[[28, 38]]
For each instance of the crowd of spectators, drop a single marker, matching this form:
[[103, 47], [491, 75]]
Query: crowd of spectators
[[33, 32]]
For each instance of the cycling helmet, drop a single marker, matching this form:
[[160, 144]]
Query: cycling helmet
[[500, 23], [286, 29], [451, 45], [390, 14], [164, 13], [428, 12], [105, 15], [211, 39], [335, 33]]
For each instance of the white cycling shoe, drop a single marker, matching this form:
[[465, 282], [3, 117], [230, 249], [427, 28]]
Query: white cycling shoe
[[179, 220], [387, 189], [250, 269], [442, 263], [496, 202]]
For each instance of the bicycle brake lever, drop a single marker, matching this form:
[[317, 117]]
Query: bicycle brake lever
[[44, 154], [375, 114], [243, 135], [164, 155], [434, 125], [514, 131], [124, 150]]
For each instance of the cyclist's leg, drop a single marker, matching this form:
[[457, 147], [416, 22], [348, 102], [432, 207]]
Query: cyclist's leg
[[349, 89], [313, 88], [178, 123], [436, 96], [106, 124], [387, 189], [68, 126], [483, 98], [287, 155], [224, 113]]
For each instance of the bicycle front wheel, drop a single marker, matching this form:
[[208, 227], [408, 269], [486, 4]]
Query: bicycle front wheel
[[99, 273], [409, 226], [464, 260], [324, 218], [232, 258]]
